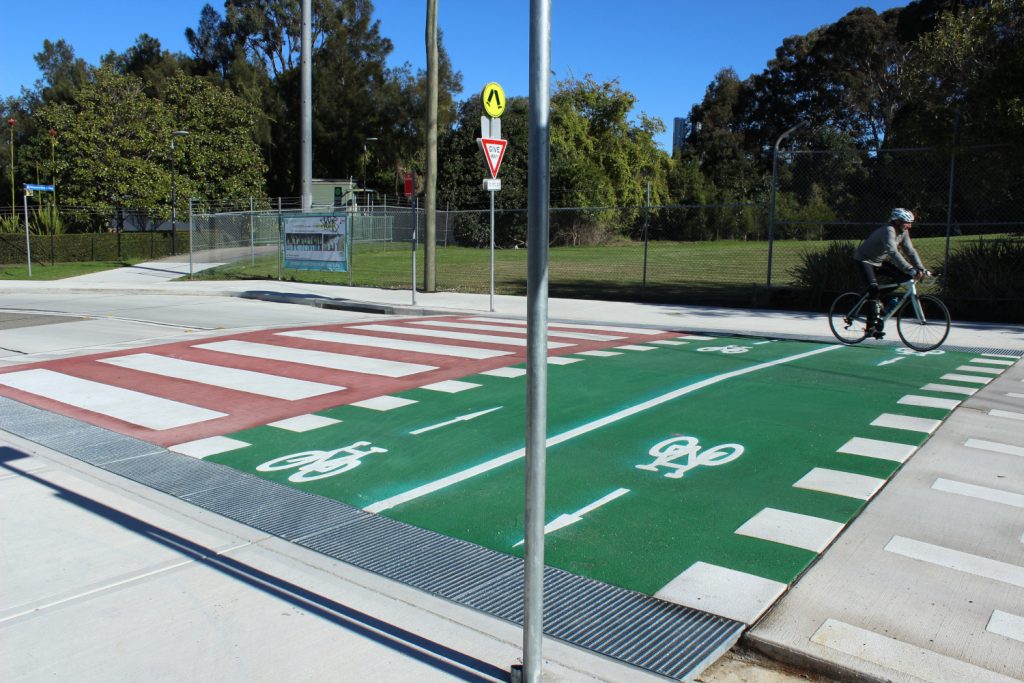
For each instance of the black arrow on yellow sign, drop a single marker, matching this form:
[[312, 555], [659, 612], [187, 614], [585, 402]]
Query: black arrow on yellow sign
[[493, 98]]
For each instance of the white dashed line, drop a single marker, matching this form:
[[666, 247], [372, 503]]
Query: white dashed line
[[450, 386], [994, 447], [840, 483], [304, 423], [1006, 624], [929, 402], [980, 492], [955, 559], [906, 422], [1009, 414], [722, 591], [791, 528], [507, 373], [383, 403], [201, 448], [971, 379], [976, 368], [873, 448], [950, 389]]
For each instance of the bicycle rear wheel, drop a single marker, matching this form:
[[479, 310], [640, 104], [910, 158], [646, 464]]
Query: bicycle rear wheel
[[848, 319], [926, 331]]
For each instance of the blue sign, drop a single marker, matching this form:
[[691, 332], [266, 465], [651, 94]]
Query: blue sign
[[39, 188]]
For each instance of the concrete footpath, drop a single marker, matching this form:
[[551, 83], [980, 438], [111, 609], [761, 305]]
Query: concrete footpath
[[104, 579]]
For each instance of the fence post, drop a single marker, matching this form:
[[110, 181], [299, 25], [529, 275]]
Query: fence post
[[949, 199], [191, 236], [647, 211]]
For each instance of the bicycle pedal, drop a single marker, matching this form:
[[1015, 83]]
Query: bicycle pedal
[[878, 335]]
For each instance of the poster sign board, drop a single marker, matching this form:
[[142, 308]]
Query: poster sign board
[[316, 242]]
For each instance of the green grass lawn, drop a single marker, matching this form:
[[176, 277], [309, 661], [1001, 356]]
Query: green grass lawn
[[58, 271]]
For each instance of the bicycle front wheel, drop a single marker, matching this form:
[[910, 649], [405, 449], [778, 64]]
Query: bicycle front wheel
[[848, 319], [923, 327]]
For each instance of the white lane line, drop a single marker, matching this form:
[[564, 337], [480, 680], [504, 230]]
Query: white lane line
[[599, 354], [507, 373], [151, 412], [577, 326], [504, 328], [929, 402], [450, 386], [955, 559], [1001, 355], [991, 361], [636, 347], [396, 344], [260, 383], [977, 368], [791, 528], [910, 424], [912, 661], [971, 379], [722, 591], [1006, 624], [489, 465], [950, 389], [669, 342], [304, 423], [994, 447], [383, 403], [1009, 414], [460, 336], [320, 359], [1013, 395], [201, 448], [840, 483], [873, 448], [980, 492], [562, 360]]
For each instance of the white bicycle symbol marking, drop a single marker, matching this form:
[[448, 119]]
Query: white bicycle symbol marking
[[668, 451], [313, 465], [731, 348]]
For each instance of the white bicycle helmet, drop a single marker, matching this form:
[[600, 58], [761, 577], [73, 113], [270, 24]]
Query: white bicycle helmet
[[901, 215]]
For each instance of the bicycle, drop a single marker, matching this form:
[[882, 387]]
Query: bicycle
[[922, 320]]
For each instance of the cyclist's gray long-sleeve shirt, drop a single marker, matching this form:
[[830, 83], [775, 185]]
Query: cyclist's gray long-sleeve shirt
[[885, 243]]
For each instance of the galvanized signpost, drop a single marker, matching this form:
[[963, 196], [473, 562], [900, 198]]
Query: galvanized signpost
[[493, 147]]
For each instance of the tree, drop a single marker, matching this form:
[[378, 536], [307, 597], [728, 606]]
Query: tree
[[115, 143]]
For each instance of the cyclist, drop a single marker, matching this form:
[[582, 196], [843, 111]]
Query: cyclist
[[879, 254]]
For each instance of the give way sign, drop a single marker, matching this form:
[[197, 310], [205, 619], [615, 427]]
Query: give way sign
[[494, 152]]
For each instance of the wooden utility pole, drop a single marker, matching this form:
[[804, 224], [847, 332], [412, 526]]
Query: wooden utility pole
[[430, 190]]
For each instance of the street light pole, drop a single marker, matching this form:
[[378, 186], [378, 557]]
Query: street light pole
[[174, 215], [10, 127], [771, 209], [365, 150]]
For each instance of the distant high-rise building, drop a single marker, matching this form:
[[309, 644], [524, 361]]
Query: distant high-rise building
[[680, 130]]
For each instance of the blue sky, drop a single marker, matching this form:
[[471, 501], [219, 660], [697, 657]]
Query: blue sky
[[663, 51]]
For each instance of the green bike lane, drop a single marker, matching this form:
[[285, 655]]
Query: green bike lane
[[658, 459]]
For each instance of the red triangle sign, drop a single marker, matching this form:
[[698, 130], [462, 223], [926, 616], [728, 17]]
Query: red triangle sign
[[494, 152]]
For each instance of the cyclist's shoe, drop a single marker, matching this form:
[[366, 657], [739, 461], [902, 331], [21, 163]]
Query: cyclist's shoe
[[877, 332]]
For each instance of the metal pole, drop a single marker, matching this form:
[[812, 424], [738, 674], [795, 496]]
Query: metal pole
[[415, 235], [771, 210], [174, 217], [191, 231], [647, 212], [539, 188], [949, 199], [28, 243], [492, 251], [252, 236], [306, 77]]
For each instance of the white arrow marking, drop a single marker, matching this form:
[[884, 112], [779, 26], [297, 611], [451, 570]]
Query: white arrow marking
[[892, 360], [460, 418], [562, 521]]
